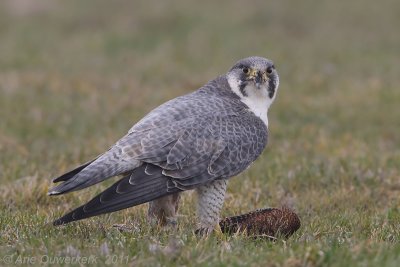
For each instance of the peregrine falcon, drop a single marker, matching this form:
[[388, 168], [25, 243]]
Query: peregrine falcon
[[195, 141]]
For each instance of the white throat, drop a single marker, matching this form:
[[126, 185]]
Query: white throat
[[256, 99]]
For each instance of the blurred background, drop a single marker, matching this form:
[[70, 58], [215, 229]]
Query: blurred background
[[75, 75]]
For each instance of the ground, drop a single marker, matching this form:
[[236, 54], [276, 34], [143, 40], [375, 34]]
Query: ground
[[75, 75]]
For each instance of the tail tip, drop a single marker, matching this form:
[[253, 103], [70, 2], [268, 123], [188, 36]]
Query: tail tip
[[58, 222], [53, 192], [63, 220]]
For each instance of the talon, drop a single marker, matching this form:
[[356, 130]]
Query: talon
[[171, 222], [202, 232]]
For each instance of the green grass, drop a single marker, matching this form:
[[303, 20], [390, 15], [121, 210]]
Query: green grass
[[75, 75]]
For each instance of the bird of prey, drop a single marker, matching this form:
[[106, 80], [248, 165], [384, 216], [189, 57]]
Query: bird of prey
[[195, 141]]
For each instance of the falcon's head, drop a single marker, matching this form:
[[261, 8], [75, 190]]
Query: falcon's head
[[254, 74], [255, 81]]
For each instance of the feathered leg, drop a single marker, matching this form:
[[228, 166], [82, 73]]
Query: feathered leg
[[210, 200], [163, 210]]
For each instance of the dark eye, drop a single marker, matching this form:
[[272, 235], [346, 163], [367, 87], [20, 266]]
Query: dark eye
[[269, 69], [246, 70]]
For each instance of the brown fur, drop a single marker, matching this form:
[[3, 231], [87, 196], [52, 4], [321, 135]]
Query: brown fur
[[271, 222]]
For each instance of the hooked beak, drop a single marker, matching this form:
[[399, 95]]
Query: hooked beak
[[259, 79]]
